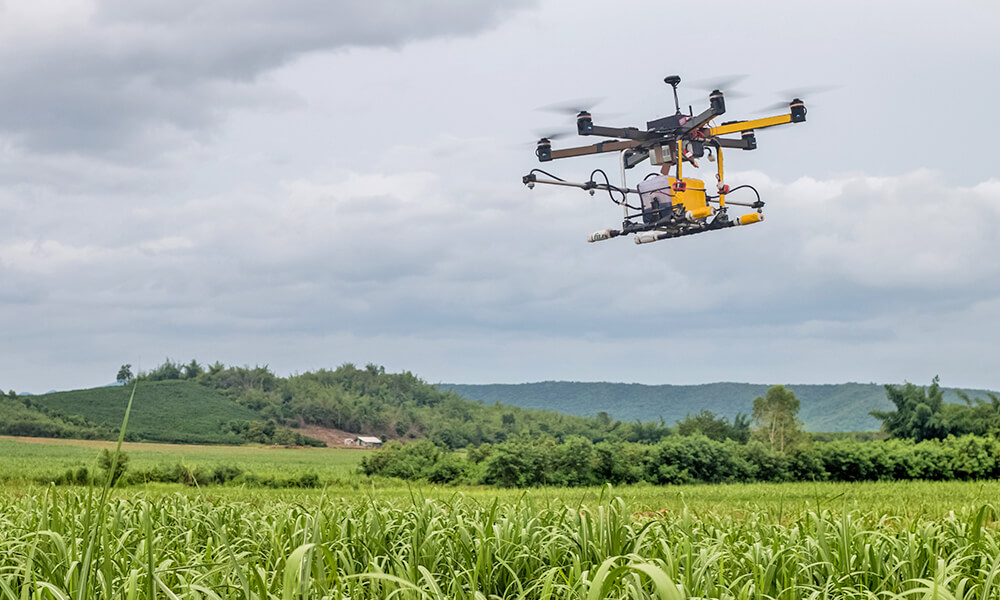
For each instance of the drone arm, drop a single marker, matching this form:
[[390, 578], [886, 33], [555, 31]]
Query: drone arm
[[699, 120], [740, 144], [612, 146], [635, 157], [741, 126], [630, 133]]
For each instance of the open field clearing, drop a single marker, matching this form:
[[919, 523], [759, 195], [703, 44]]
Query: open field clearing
[[31, 458], [158, 544], [27, 459], [357, 537]]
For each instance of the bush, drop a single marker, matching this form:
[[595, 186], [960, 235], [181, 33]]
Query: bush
[[448, 469], [974, 457], [106, 461], [766, 463], [522, 462], [621, 463], [416, 460], [697, 459]]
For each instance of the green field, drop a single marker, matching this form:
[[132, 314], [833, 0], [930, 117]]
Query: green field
[[32, 459], [787, 541], [377, 538], [29, 462]]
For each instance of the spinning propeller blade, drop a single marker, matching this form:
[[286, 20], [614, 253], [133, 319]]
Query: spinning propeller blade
[[808, 91], [723, 84], [801, 93], [547, 135], [572, 107], [774, 107], [554, 135]]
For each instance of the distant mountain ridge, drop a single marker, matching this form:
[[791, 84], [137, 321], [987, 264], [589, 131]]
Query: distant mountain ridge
[[827, 407]]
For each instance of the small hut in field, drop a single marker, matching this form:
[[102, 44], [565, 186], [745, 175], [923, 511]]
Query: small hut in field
[[367, 441]]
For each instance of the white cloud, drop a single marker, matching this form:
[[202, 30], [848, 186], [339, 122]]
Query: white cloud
[[401, 260], [913, 231], [47, 256], [166, 244]]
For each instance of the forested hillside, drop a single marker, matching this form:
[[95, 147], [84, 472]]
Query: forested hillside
[[835, 407], [20, 415], [400, 405], [218, 404]]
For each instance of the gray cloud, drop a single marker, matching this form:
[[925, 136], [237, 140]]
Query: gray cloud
[[131, 78]]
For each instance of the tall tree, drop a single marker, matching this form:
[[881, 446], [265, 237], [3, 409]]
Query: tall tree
[[776, 417], [977, 416], [167, 371], [716, 427], [125, 374], [192, 370], [919, 414]]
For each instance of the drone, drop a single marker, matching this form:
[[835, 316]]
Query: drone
[[670, 205]]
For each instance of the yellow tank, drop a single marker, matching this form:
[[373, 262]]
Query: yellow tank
[[693, 195]]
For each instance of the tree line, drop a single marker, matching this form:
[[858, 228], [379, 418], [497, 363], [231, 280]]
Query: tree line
[[528, 462], [929, 440]]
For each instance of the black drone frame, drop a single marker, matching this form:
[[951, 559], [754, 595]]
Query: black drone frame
[[667, 142]]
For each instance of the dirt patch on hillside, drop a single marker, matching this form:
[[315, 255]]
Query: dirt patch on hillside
[[334, 438]]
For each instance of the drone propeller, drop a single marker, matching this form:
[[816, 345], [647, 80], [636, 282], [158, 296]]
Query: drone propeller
[[812, 90], [724, 84], [572, 107], [801, 93], [776, 106], [554, 135], [546, 135]]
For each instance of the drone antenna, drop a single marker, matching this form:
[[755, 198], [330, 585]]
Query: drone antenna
[[673, 80]]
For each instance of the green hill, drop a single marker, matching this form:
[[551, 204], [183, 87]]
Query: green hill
[[219, 404], [18, 416], [833, 407], [163, 411]]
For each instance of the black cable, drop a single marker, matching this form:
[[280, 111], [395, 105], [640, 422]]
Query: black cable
[[546, 173], [609, 186], [650, 175], [624, 193], [758, 204], [739, 187]]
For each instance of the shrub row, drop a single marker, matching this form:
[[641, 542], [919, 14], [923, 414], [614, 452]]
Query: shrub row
[[695, 459], [196, 476]]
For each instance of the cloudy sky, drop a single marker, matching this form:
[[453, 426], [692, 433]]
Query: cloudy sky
[[307, 183]]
